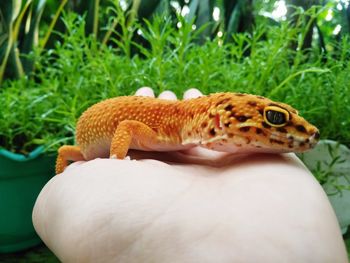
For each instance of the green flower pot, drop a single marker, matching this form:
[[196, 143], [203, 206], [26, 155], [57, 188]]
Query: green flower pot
[[21, 179]]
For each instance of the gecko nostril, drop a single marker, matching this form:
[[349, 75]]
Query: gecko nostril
[[316, 135]]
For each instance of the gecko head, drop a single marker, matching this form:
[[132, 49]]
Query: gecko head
[[256, 123]]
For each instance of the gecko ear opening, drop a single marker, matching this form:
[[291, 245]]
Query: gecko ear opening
[[276, 116]]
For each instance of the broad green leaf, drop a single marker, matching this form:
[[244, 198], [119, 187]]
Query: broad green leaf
[[15, 68], [232, 17], [53, 23], [30, 38], [147, 8], [193, 10], [9, 11], [204, 17], [163, 8]]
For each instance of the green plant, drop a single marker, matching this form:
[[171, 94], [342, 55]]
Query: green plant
[[19, 28], [80, 71]]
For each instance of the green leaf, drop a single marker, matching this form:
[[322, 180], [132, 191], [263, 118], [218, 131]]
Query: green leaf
[[53, 23], [92, 18], [331, 160], [233, 18], [147, 8], [31, 37], [204, 17], [238, 17], [193, 10], [10, 61]]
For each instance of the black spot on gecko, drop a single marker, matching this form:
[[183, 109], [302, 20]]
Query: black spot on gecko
[[242, 118], [258, 131], [300, 128], [281, 129], [227, 124], [204, 124], [252, 103], [244, 129], [229, 107], [240, 94], [230, 135], [212, 132], [302, 144], [276, 141], [261, 111]]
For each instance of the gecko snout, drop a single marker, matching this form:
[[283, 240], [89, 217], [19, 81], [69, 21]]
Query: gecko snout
[[314, 138]]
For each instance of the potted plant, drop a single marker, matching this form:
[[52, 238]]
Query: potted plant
[[24, 165], [21, 179]]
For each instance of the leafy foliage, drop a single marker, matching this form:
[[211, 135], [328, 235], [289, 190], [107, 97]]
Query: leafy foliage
[[81, 70], [19, 27]]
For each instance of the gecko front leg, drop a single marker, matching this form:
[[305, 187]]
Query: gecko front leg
[[132, 133]]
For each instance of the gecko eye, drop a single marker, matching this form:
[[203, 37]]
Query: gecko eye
[[275, 116]]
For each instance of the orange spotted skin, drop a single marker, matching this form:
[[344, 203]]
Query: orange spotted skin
[[229, 122]]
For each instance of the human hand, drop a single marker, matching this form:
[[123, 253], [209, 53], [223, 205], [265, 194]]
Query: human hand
[[248, 208]]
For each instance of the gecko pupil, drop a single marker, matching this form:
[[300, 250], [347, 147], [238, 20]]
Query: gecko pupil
[[275, 117]]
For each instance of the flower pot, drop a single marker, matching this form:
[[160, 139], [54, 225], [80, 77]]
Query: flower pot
[[21, 179]]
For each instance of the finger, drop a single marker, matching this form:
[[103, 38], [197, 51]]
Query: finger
[[167, 95], [145, 91], [192, 93], [74, 165]]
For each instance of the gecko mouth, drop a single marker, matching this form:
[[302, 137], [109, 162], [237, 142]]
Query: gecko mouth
[[298, 143], [302, 142]]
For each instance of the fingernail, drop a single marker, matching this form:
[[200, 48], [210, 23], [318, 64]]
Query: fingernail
[[145, 91], [192, 93], [167, 95]]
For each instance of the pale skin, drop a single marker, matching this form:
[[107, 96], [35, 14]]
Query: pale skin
[[203, 206]]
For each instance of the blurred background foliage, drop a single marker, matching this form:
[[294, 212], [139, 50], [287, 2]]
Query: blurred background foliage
[[25, 24]]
